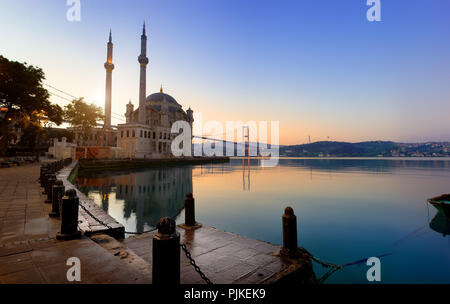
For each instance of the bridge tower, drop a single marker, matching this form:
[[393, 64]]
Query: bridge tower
[[246, 138]]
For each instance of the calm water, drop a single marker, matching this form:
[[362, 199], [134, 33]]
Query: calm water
[[347, 209]]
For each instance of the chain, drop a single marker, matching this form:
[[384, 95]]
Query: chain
[[183, 246], [197, 269], [148, 231], [324, 264]]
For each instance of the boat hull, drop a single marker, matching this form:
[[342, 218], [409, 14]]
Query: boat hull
[[441, 203]]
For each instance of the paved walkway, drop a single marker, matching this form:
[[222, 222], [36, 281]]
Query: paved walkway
[[228, 258], [29, 252], [23, 216]]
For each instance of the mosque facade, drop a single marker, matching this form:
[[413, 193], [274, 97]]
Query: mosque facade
[[146, 132]]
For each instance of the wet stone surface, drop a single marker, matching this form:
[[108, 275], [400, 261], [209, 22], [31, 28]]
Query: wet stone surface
[[225, 258], [30, 253]]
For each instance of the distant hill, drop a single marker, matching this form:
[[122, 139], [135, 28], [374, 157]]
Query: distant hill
[[361, 149], [367, 149]]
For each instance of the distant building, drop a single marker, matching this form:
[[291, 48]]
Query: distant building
[[97, 137]]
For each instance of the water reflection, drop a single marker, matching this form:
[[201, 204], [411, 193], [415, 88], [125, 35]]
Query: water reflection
[[440, 223], [246, 168], [144, 196], [347, 209]]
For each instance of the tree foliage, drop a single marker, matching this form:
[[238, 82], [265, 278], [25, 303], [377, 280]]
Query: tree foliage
[[83, 116], [26, 100]]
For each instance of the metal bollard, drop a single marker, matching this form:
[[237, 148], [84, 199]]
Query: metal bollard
[[42, 176], [49, 188], [189, 213], [290, 243], [69, 217], [166, 253], [189, 210], [57, 194], [45, 181]]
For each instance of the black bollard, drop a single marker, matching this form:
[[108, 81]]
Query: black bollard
[[57, 194], [49, 188], [42, 176], [290, 243], [166, 253], [45, 182], [189, 210], [189, 213], [69, 217]]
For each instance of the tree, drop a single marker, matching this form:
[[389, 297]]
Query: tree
[[83, 116], [26, 101]]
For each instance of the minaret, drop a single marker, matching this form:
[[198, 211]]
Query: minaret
[[109, 66], [143, 61], [129, 113]]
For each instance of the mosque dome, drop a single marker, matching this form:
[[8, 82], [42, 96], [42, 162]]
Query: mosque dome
[[161, 97]]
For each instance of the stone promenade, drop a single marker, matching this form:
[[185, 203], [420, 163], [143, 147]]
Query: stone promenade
[[29, 252]]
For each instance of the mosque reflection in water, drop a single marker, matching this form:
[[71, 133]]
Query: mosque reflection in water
[[140, 198]]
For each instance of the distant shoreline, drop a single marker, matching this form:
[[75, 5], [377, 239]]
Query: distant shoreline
[[353, 157]]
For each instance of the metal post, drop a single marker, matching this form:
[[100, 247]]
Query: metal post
[[42, 178], [49, 188], [69, 216], [290, 243], [166, 253], [57, 194], [44, 170], [47, 176], [189, 210]]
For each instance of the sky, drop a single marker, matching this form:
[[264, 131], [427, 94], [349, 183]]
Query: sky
[[319, 67]]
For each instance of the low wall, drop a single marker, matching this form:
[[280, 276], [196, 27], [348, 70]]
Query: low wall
[[96, 164], [95, 152], [89, 225]]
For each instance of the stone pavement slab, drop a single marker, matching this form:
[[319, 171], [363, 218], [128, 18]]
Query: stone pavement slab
[[224, 257], [29, 251]]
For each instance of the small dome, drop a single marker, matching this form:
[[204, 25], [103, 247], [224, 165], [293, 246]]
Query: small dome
[[160, 97]]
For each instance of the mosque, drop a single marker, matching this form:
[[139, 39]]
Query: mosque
[[147, 130]]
